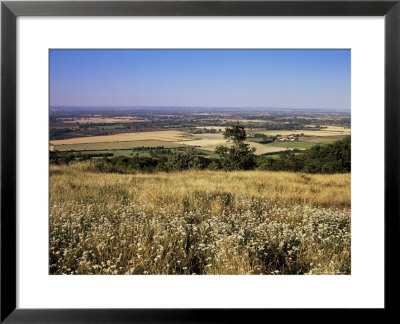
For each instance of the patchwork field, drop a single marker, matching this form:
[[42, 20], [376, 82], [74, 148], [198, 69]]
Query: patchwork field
[[264, 121], [329, 131], [209, 142], [173, 138], [101, 120]]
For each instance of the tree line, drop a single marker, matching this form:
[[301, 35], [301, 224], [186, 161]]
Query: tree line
[[328, 158]]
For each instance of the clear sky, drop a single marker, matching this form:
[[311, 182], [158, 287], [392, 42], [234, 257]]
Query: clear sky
[[201, 78]]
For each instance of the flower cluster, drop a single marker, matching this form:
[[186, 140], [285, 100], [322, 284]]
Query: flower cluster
[[219, 232]]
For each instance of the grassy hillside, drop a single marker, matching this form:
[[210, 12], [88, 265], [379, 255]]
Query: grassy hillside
[[198, 222]]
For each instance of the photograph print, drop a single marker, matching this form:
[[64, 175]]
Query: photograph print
[[200, 162]]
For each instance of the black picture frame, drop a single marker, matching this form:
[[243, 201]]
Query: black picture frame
[[10, 10]]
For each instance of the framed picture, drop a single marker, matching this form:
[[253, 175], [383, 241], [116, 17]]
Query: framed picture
[[190, 161]]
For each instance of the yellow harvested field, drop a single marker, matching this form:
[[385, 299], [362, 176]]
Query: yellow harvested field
[[168, 136], [330, 131], [206, 141], [210, 146], [102, 120]]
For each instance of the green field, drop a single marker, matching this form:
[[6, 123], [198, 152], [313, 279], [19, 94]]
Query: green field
[[321, 139], [255, 139], [115, 145], [292, 145], [127, 153], [107, 127], [304, 142]]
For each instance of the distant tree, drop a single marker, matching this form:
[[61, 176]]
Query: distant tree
[[238, 156], [236, 133]]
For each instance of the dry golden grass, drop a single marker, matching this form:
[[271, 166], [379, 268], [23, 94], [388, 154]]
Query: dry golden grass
[[202, 222], [169, 136], [295, 188]]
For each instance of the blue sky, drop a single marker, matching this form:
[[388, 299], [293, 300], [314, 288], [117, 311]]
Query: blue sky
[[201, 78]]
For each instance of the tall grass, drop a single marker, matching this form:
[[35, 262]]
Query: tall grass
[[198, 222]]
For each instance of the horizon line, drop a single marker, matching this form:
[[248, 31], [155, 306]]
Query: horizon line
[[224, 107]]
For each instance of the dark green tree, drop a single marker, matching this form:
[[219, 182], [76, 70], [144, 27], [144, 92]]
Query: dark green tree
[[236, 133], [238, 156], [185, 160], [329, 158]]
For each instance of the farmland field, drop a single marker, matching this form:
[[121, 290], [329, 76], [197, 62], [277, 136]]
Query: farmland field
[[172, 138], [292, 145], [102, 120], [198, 222], [329, 131], [206, 141], [169, 136], [210, 141], [115, 145], [321, 139]]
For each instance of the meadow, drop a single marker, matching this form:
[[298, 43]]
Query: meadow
[[198, 222]]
